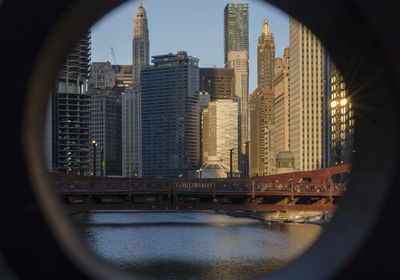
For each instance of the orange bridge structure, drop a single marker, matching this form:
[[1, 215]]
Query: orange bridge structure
[[318, 190]]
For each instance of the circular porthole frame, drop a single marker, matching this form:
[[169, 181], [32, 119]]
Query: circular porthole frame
[[360, 241]]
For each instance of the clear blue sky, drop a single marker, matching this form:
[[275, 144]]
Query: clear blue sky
[[195, 26]]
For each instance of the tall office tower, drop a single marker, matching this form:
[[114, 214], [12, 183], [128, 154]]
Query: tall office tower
[[341, 119], [222, 130], [262, 156], [105, 129], [171, 116], [307, 98], [280, 84], [68, 118], [265, 58], [218, 82], [131, 99], [236, 47]]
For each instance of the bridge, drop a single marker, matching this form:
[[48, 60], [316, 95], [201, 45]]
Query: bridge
[[318, 190]]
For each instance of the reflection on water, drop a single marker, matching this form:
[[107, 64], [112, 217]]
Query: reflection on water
[[193, 245]]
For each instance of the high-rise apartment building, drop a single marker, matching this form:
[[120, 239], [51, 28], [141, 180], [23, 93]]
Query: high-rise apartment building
[[221, 131], [218, 82], [341, 118], [280, 84], [236, 47], [265, 58], [307, 98], [171, 117], [131, 99], [67, 128]]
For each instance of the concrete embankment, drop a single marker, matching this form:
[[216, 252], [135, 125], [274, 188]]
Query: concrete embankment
[[313, 217]]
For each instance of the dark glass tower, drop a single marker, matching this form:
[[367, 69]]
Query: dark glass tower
[[236, 28], [170, 117]]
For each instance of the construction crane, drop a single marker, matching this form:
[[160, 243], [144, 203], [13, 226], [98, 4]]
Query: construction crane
[[113, 56]]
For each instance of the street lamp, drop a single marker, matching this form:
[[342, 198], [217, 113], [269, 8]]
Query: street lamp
[[230, 162], [94, 156], [246, 159]]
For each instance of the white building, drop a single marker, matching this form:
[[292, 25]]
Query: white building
[[238, 60], [131, 99], [223, 131], [307, 99]]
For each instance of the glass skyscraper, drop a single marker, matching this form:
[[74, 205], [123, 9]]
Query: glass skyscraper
[[236, 28], [170, 117], [236, 44]]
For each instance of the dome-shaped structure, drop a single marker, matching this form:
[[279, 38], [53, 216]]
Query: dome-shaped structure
[[213, 168]]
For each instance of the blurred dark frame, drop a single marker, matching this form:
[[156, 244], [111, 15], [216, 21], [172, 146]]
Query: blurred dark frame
[[36, 238]]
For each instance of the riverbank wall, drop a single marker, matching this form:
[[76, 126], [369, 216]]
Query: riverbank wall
[[312, 217]]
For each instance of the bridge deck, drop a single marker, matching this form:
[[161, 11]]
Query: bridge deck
[[303, 191]]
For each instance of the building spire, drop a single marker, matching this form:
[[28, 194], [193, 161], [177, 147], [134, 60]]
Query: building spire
[[266, 27]]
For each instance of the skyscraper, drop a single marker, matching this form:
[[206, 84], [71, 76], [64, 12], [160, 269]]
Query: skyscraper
[[265, 58], [236, 46], [171, 116], [236, 28], [307, 98], [105, 128], [67, 128], [262, 156], [131, 99], [341, 118], [281, 103]]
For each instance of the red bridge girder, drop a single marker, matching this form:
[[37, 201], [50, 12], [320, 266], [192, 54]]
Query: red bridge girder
[[271, 193]]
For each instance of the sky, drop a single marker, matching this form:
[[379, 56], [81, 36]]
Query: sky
[[195, 26]]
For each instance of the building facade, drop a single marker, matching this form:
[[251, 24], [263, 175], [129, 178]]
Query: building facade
[[219, 83], [67, 127], [236, 28], [262, 161], [281, 102], [171, 117], [236, 52], [307, 98], [131, 98], [262, 155], [105, 129], [265, 58], [222, 131], [101, 76], [341, 119]]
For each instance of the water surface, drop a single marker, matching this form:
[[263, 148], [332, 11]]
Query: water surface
[[193, 245]]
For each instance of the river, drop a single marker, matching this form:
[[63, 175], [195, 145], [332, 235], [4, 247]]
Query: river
[[193, 245]]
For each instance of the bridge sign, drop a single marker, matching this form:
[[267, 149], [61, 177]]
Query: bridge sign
[[193, 185]]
